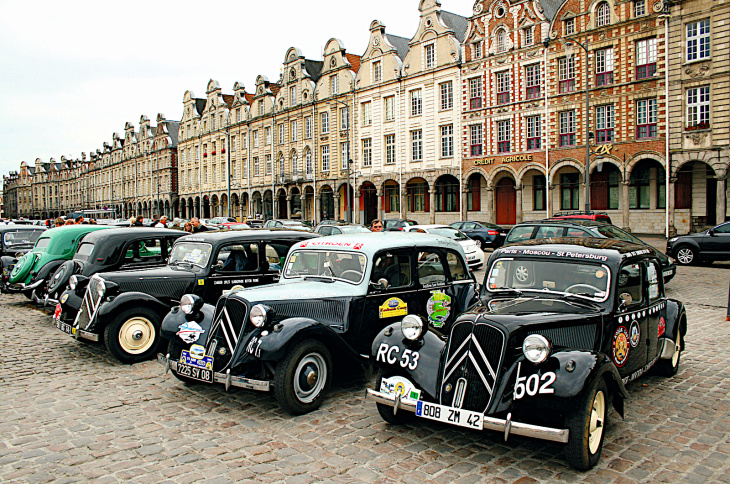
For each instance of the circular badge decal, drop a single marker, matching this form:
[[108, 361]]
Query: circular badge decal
[[635, 334], [662, 326], [620, 346]]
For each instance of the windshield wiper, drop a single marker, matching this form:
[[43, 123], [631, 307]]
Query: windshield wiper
[[180, 262], [320, 276], [580, 297], [509, 289]]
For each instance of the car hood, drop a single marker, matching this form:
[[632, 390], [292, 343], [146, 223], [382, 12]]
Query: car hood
[[169, 281], [312, 288]]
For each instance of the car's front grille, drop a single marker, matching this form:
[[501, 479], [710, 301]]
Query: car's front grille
[[579, 337], [228, 326], [327, 311], [473, 361], [89, 305]]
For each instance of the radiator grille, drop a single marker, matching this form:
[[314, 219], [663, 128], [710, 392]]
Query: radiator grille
[[89, 305], [474, 354], [228, 326], [327, 311], [578, 337]]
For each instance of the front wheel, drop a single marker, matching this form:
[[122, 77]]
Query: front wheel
[[386, 411], [303, 377], [133, 336], [586, 426], [671, 366], [686, 255]]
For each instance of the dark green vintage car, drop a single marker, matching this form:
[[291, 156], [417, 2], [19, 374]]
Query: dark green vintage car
[[31, 273]]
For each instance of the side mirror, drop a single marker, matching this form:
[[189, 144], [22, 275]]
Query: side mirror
[[711, 232], [381, 285], [625, 300], [219, 265]]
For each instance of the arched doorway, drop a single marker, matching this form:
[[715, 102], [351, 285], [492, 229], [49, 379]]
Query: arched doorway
[[605, 187], [223, 206], [281, 204], [505, 199], [417, 196], [345, 195], [447, 194], [328, 203], [235, 206], [308, 209], [213, 207], [206, 206], [245, 205], [295, 206], [268, 205], [368, 203], [475, 183]]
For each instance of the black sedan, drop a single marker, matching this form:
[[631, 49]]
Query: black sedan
[[710, 245], [484, 233]]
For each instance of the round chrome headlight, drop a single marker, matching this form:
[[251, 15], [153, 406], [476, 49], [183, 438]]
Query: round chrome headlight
[[101, 288], [257, 316], [412, 327], [536, 348], [186, 304], [73, 282]]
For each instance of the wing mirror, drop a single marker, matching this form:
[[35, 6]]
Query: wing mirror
[[625, 300], [219, 265], [711, 232], [381, 285]]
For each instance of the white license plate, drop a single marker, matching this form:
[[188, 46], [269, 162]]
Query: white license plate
[[667, 271], [195, 373], [449, 415], [66, 328]]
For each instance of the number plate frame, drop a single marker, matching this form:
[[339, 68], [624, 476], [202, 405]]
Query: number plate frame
[[194, 372], [66, 328], [449, 415]]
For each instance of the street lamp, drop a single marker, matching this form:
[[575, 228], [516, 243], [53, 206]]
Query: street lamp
[[348, 215], [568, 43]]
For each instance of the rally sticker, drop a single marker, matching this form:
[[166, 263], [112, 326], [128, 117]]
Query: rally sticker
[[64, 298], [620, 346], [393, 307], [662, 326], [190, 331], [438, 308], [600, 274], [635, 334]]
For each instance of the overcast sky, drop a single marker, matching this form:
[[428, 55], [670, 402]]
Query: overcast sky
[[73, 73]]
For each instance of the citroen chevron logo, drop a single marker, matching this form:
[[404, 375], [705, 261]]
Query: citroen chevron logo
[[476, 356]]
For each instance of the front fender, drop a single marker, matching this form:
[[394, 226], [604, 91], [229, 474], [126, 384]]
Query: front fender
[[388, 352], [176, 318], [70, 304], [276, 342], [127, 300], [48, 269], [676, 313]]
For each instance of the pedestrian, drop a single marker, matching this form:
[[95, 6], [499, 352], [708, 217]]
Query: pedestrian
[[162, 224], [175, 223], [376, 226], [92, 221], [197, 226], [79, 219], [138, 221], [69, 222], [155, 220], [59, 222], [188, 227], [48, 223]]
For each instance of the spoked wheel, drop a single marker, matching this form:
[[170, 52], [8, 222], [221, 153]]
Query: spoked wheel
[[586, 426], [686, 256], [133, 336], [671, 366], [303, 377], [386, 411]]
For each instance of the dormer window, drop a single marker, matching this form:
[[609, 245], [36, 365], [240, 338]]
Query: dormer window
[[569, 26], [603, 14], [500, 41], [476, 49]]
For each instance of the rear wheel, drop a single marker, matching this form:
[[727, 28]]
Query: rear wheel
[[686, 255], [386, 411], [133, 336], [671, 366], [303, 376], [586, 426]]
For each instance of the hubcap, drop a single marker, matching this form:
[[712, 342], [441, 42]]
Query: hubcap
[[521, 273], [310, 377], [598, 414], [136, 335], [685, 256], [677, 349]]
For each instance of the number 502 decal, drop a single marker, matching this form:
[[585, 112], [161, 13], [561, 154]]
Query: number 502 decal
[[389, 354], [531, 386]]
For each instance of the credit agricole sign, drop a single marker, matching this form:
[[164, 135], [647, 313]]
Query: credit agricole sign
[[503, 159]]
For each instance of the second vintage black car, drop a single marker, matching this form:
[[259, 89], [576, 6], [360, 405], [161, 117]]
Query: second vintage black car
[[563, 326], [125, 308]]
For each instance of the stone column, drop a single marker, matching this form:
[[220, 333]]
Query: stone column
[[491, 209], [336, 215], [721, 200], [380, 197], [404, 202], [463, 203], [287, 213], [625, 206], [432, 205], [356, 213], [670, 211], [317, 209], [518, 203]]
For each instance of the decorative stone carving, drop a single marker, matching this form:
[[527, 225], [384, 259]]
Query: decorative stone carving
[[553, 35], [478, 8], [697, 138], [534, 53], [698, 72], [658, 6], [376, 41]]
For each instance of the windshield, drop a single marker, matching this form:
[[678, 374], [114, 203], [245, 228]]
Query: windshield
[[21, 237], [346, 266], [449, 232], [351, 229], [587, 280], [195, 253]]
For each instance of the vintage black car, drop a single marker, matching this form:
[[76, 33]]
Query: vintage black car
[[336, 293], [560, 331], [107, 250], [125, 308]]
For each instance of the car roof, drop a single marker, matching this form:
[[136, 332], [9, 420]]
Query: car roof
[[431, 226], [584, 248], [582, 222], [251, 234], [124, 233], [370, 243], [23, 227], [73, 230]]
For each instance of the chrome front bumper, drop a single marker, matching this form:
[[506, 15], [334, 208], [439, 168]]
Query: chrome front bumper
[[226, 378], [506, 426]]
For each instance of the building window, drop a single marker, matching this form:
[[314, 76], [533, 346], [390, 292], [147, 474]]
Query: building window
[[294, 164], [256, 167], [447, 95], [532, 74], [447, 141], [417, 193], [389, 108], [533, 132], [528, 36], [698, 108], [501, 46], [640, 187], [389, 149], [502, 87], [476, 50], [308, 165], [604, 124], [282, 165], [569, 191], [377, 71], [417, 145], [475, 93], [566, 74], [367, 117], [474, 195], [255, 140], [567, 128], [267, 130], [416, 103], [646, 116], [307, 127], [605, 188], [344, 153], [261, 107], [447, 195], [569, 26], [603, 14], [281, 134], [645, 58], [476, 139], [698, 40], [639, 8], [293, 96], [391, 198], [325, 158], [539, 193], [324, 122], [604, 66], [334, 85], [268, 164], [503, 136], [430, 53], [367, 152], [344, 118], [294, 126]]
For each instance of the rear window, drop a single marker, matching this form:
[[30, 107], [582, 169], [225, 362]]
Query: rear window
[[85, 250], [548, 231], [42, 243], [520, 233]]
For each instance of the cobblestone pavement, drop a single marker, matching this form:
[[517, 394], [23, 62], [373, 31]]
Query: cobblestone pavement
[[70, 413]]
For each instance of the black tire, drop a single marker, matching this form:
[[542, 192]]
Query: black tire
[[299, 384], [685, 255], [56, 284], [670, 367], [175, 350], [386, 411], [584, 445], [134, 335]]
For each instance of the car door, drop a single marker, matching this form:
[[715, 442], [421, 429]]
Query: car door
[[629, 347], [443, 283], [656, 309], [273, 257], [715, 244], [235, 264]]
